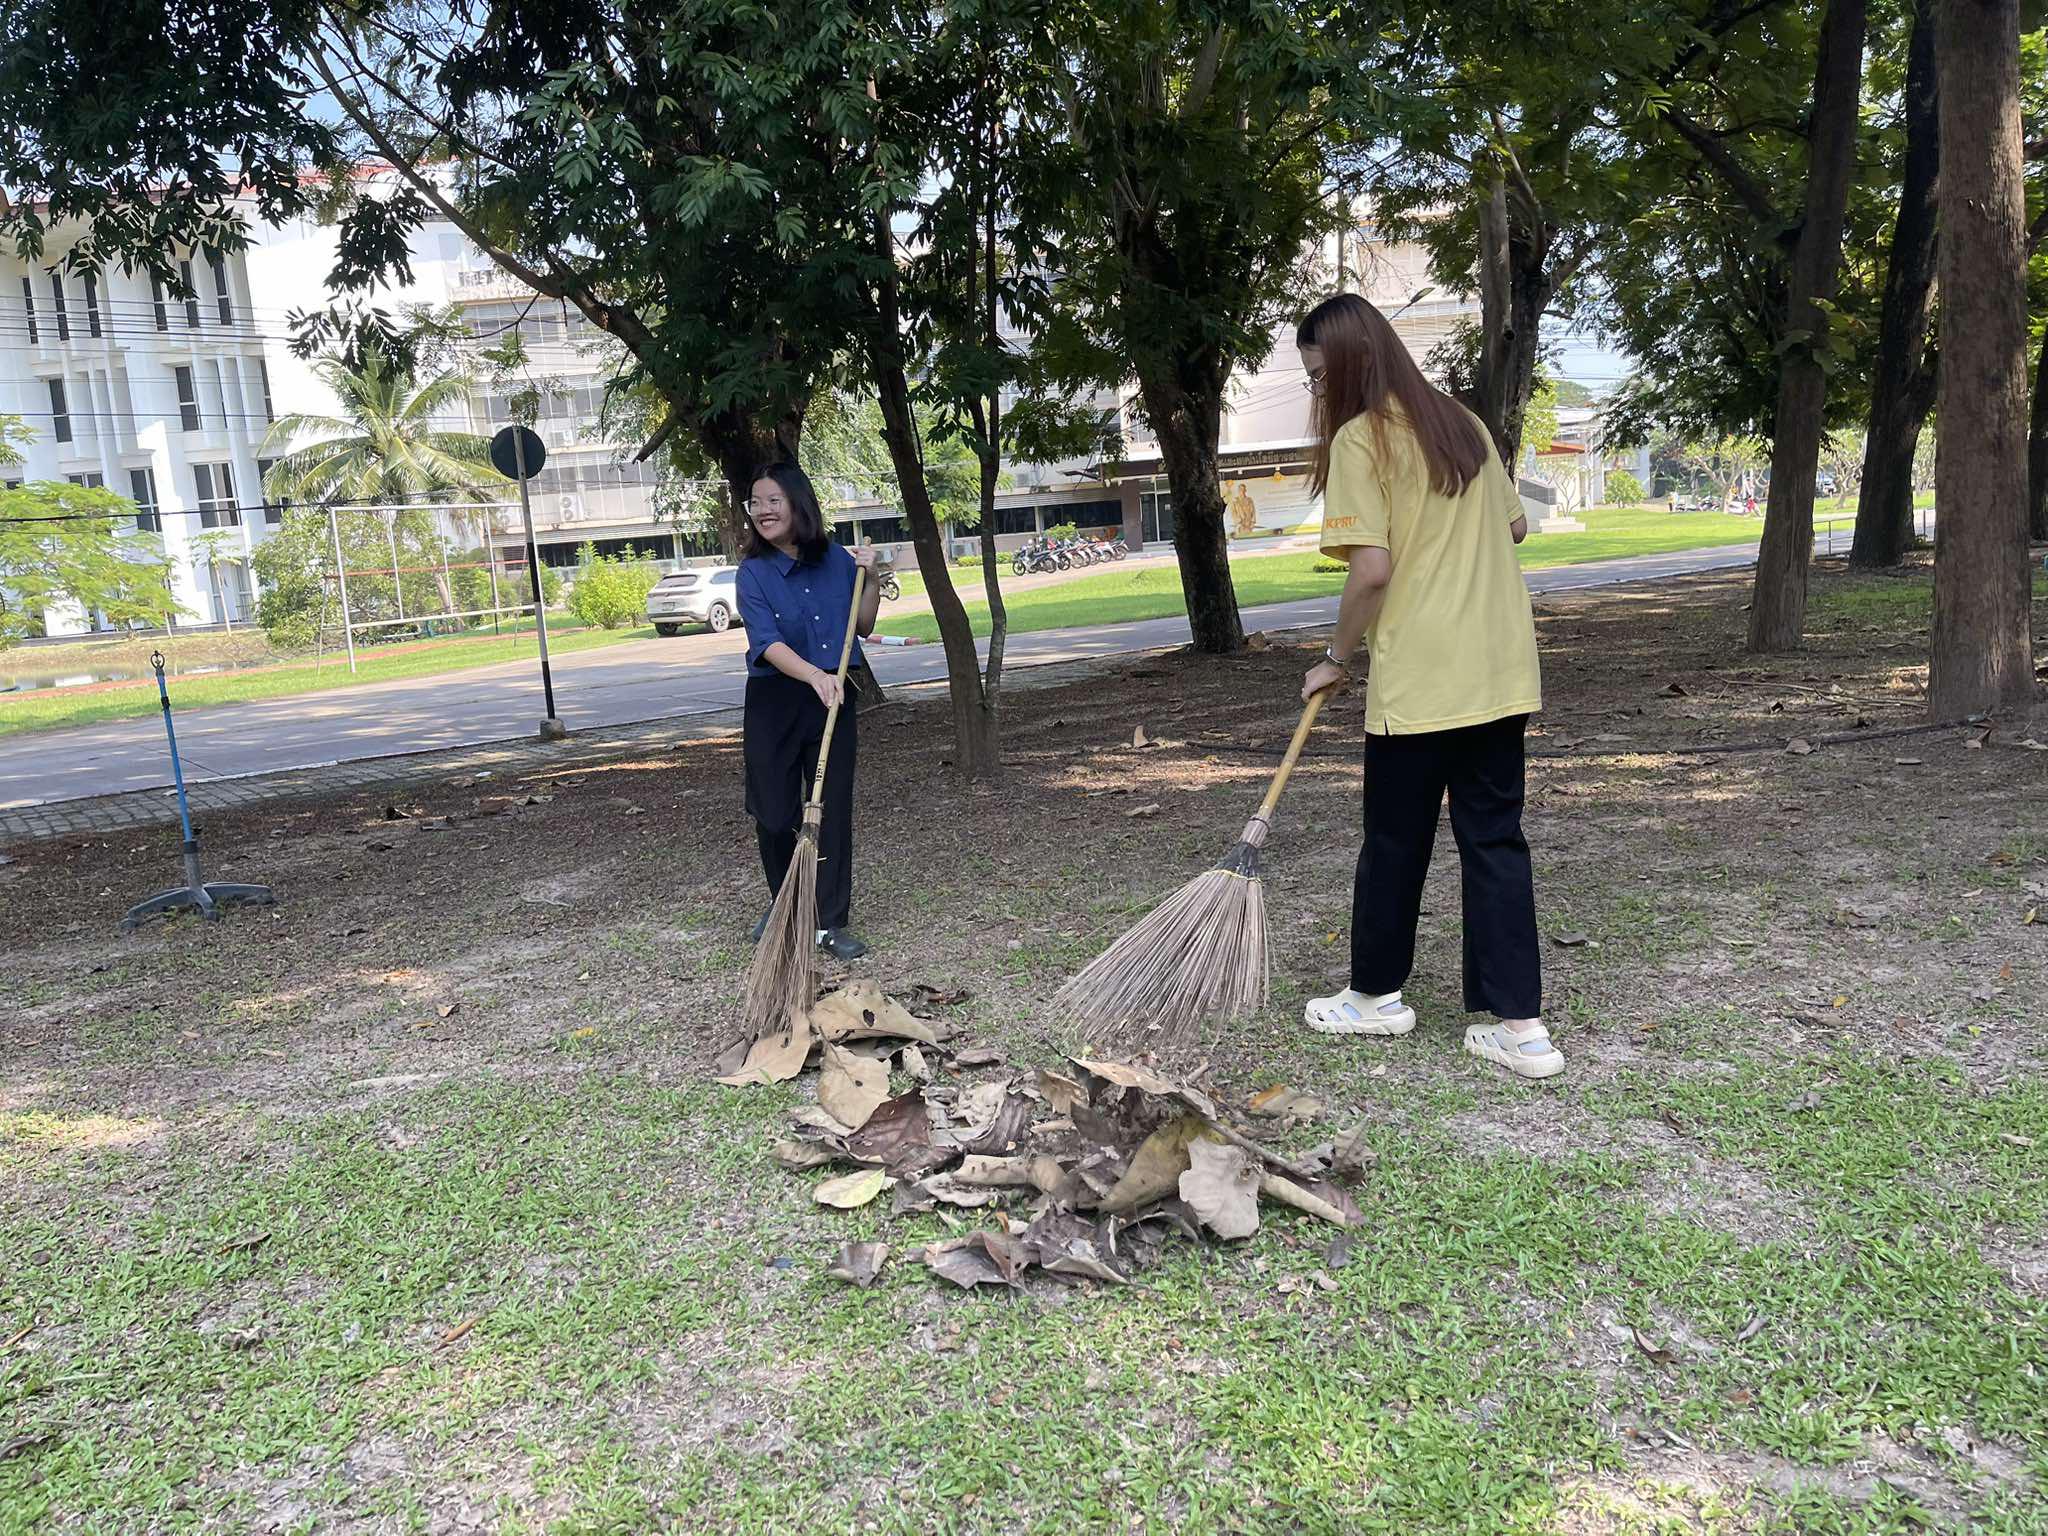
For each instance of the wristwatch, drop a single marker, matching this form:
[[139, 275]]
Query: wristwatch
[[1337, 661]]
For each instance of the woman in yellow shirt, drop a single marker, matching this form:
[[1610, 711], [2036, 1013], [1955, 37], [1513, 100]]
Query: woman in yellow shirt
[[1418, 506]]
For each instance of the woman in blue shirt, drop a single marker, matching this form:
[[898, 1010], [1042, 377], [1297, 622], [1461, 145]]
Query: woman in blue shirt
[[795, 592]]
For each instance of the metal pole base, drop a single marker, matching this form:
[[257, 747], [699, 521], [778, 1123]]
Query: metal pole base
[[209, 901], [552, 729]]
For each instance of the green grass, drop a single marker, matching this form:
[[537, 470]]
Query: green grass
[[1121, 594], [612, 1239], [51, 708]]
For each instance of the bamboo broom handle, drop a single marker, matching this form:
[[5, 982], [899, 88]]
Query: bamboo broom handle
[[1308, 718], [817, 801]]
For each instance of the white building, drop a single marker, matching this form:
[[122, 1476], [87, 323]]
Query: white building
[[163, 400]]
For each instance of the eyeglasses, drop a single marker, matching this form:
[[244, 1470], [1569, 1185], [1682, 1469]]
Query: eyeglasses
[[1315, 381], [754, 506]]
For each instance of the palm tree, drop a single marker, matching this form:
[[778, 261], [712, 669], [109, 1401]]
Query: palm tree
[[384, 446]]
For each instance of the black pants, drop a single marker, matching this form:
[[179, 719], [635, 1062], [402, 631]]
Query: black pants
[[784, 724], [1405, 780]]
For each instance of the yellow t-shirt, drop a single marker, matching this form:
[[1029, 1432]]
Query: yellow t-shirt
[[1454, 643]]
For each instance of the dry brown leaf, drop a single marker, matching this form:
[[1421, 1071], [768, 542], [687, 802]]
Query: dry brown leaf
[[995, 1172], [447, 1010], [927, 996], [1573, 941], [915, 1064], [1799, 746], [851, 1087], [1750, 1329], [773, 1058], [1222, 1186], [1140, 739], [978, 1056], [859, 1263], [1061, 1092], [948, 1190], [1283, 1102], [980, 1258], [859, 1011], [998, 1123], [1139, 812], [798, 1156], [1125, 1075], [245, 1242], [853, 1190], [1156, 1168], [456, 1332], [1657, 1353]]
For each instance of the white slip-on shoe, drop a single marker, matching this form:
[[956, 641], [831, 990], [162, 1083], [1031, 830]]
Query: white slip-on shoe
[[1531, 1055], [1354, 1013]]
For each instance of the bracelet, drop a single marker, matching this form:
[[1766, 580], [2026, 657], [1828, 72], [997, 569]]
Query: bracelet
[[1336, 661]]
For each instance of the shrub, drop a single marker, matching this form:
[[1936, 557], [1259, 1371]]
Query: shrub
[[1333, 566], [1623, 489], [1063, 531], [610, 590]]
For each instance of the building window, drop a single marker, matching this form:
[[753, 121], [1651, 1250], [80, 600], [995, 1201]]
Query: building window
[[57, 303], [156, 295], [92, 302], [188, 398], [273, 506], [191, 295], [28, 308], [90, 481], [216, 496], [60, 412], [142, 490], [263, 373], [220, 292]]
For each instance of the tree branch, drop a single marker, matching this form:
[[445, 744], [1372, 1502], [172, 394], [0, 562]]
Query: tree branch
[[1750, 192]]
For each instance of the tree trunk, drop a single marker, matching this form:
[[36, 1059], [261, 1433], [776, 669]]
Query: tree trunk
[[1189, 424], [976, 743], [1983, 643], [739, 444], [1777, 615], [2037, 452], [1903, 388], [1515, 289]]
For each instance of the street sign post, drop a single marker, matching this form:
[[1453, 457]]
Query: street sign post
[[518, 454]]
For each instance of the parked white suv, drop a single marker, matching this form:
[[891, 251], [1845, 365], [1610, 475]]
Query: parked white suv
[[708, 596]]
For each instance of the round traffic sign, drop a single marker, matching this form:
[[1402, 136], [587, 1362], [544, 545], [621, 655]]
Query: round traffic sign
[[505, 457]]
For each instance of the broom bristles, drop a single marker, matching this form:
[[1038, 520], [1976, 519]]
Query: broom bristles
[[1200, 954], [783, 980]]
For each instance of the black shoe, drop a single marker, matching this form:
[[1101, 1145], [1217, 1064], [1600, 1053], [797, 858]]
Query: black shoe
[[762, 926], [841, 945]]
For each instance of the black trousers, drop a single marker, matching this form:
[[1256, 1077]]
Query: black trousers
[[784, 724], [1406, 778]]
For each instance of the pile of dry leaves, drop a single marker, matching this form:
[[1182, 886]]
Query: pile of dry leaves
[[1081, 1172]]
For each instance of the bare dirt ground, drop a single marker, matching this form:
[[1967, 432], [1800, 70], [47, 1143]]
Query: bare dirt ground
[[407, 1205]]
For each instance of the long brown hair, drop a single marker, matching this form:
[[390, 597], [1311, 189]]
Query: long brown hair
[[1368, 372]]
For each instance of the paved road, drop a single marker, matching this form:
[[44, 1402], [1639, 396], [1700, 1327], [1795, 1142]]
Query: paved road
[[638, 680]]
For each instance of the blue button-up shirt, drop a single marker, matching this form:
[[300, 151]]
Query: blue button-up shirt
[[805, 606]]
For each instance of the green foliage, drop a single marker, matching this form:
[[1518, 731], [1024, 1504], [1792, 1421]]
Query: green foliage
[[63, 543], [1539, 421], [1063, 531], [385, 445], [1624, 489], [611, 590], [848, 460]]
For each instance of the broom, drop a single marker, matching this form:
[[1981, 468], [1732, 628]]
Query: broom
[[783, 980], [1201, 953]]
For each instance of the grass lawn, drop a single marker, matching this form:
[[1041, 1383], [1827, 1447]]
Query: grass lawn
[[45, 709], [409, 1207], [1115, 595]]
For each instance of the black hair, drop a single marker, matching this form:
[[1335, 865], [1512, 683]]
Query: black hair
[[806, 517]]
